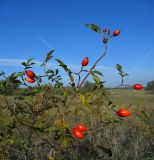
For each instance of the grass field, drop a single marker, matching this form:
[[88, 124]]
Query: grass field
[[131, 139], [137, 134]]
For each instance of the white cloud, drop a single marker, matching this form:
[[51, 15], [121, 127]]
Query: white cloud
[[10, 62], [76, 67], [109, 72]]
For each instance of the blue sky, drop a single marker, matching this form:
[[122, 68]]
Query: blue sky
[[31, 28]]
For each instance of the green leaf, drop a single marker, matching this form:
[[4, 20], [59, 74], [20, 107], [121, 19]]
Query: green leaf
[[59, 79], [50, 129], [12, 76], [16, 81], [110, 102], [95, 77], [19, 74], [3, 84], [50, 71], [11, 141], [28, 67], [64, 125], [98, 73], [65, 94], [50, 158], [48, 56], [145, 115], [71, 77], [32, 63], [82, 98], [117, 119], [57, 71], [60, 62], [119, 67], [94, 27], [92, 67], [64, 143], [29, 60], [2, 73], [64, 66], [125, 74], [24, 64]]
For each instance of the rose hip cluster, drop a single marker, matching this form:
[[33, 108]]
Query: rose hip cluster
[[31, 76], [79, 130], [107, 34]]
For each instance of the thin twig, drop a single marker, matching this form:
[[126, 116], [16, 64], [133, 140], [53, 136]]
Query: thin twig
[[93, 66]]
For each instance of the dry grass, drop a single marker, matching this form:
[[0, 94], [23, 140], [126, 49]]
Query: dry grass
[[131, 139]]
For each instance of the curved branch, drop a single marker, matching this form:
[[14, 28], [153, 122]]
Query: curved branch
[[94, 65]]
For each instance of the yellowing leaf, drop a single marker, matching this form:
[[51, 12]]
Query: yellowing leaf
[[94, 27], [50, 158], [82, 98], [64, 143], [58, 122], [95, 77]]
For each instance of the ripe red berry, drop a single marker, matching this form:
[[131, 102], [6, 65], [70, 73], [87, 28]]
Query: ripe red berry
[[104, 30], [82, 127], [108, 32], [30, 74], [105, 40], [85, 61], [116, 33], [123, 113], [138, 86], [77, 133], [30, 80]]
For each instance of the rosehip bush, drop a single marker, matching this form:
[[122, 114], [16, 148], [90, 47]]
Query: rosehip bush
[[39, 121]]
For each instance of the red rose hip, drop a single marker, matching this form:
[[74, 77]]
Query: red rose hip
[[116, 33], [82, 127], [123, 113], [85, 61], [30, 80], [77, 133], [30, 74], [138, 86]]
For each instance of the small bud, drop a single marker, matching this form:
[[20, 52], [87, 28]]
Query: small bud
[[104, 30], [105, 40], [108, 32]]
